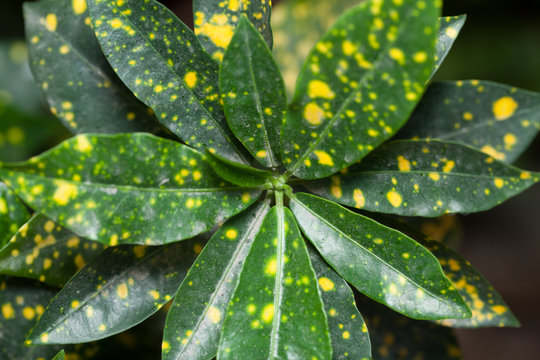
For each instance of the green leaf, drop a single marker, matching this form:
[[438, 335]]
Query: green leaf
[[253, 94], [60, 356], [170, 73], [216, 20], [276, 310], [497, 119], [13, 213], [193, 328], [117, 290], [128, 188], [46, 252], [380, 262], [350, 339], [237, 173], [425, 178], [359, 85], [449, 29], [80, 86]]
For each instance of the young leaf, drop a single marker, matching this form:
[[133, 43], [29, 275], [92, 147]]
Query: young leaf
[[449, 29], [216, 20], [236, 173], [117, 290], [276, 310], [350, 339], [193, 327], [46, 252], [253, 94], [425, 178], [13, 214], [130, 188], [497, 119], [170, 73], [379, 261], [80, 86], [359, 85], [60, 356]]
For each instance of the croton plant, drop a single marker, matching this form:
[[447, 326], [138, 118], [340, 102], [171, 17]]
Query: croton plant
[[193, 179]]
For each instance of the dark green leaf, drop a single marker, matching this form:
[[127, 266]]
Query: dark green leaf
[[13, 214], [159, 58], [80, 86], [425, 178], [129, 188], [46, 252], [60, 356], [449, 29], [497, 119], [350, 339], [253, 94], [236, 173], [380, 262], [117, 290], [276, 310], [193, 327], [359, 85], [216, 20]]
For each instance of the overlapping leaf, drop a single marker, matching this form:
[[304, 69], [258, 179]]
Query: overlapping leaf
[[236, 173], [425, 178], [130, 188], [380, 262], [60, 356], [449, 29], [497, 119], [13, 213], [359, 85], [253, 94], [276, 311]]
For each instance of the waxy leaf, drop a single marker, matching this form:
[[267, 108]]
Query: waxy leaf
[[117, 290], [498, 119], [350, 339], [216, 20], [449, 29], [425, 178], [379, 261], [237, 173], [193, 328], [60, 356], [13, 213], [80, 86], [130, 188], [165, 66], [253, 94], [276, 311], [46, 252], [359, 85]]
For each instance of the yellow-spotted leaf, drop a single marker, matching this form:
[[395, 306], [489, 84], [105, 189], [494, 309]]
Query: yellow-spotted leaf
[[276, 311], [46, 252], [216, 20], [129, 188], [13, 213], [117, 290], [359, 85], [236, 173], [449, 29], [499, 120]]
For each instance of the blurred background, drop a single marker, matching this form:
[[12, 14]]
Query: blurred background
[[500, 42]]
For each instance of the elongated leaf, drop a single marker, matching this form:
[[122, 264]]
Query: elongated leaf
[[117, 290], [253, 94], [497, 119], [159, 58], [193, 327], [60, 356], [380, 262], [449, 29], [276, 310], [350, 339], [425, 178], [46, 252], [236, 173], [359, 85], [130, 188], [13, 213], [216, 20], [80, 86]]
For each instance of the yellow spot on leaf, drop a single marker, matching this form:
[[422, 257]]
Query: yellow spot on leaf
[[492, 152], [51, 22], [28, 313], [434, 176], [420, 57], [348, 48], [467, 116], [83, 144], [499, 309], [498, 182], [271, 267], [49, 226], [509, 141], [335, 188], [64, 192], [64, 49], [403, 164], [454, 265], [190, 79], [448, 166], [268, 313], [217, 29], [359, 199], [451, 32], [320, 89], [326, 284], [324, 158], [79, 6], [233, 5], [394, 198], [313, 114], [214, 314], [261, 154], [44, 338], [231, 234], [7, 311], [75, 304], [346, 335], [397, 55], [504, 108], [525, 175], [116, 23], [122, 291]]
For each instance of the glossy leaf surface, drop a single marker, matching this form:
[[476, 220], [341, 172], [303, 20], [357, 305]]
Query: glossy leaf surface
[[276, 310], [193, 327], [359, 85], [60, 356], [130, 188], [449, 29], [236, 173], [163, 63], [216, 20], [81, 88], [253, 94], [13, 213], [379, 261], [350, 339], [498, 119], [425, 178], [46, 252], [117, 290]]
